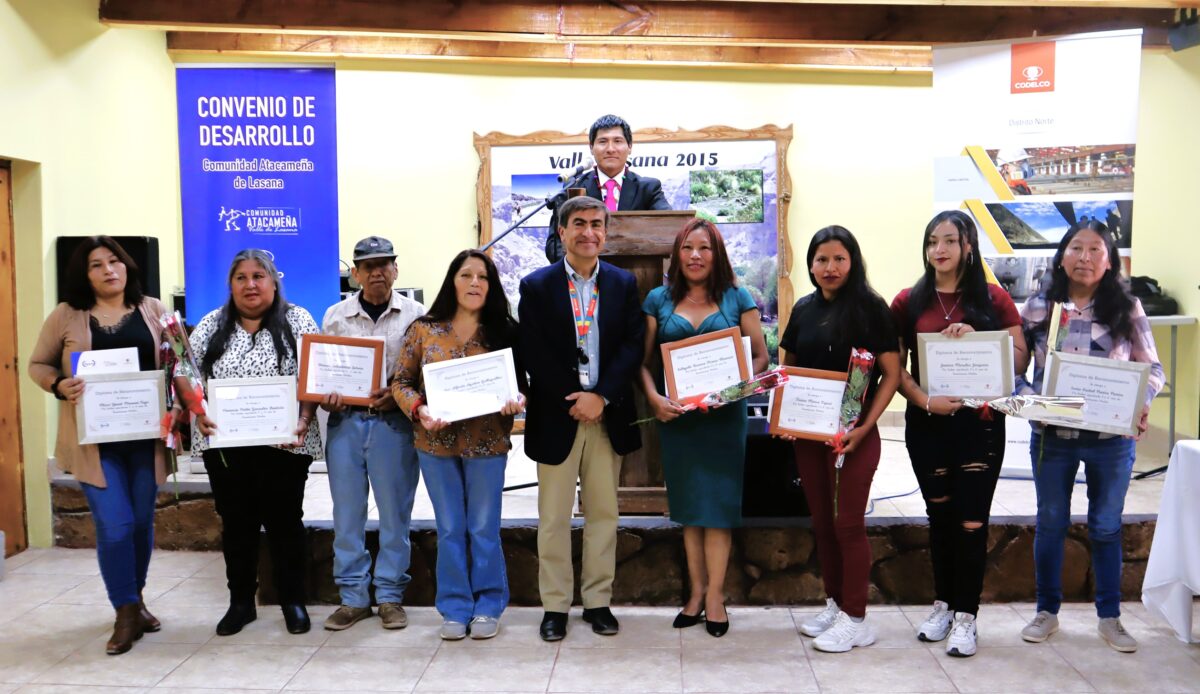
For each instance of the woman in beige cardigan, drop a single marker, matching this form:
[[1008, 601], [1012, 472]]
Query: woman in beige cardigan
[[105, 309]]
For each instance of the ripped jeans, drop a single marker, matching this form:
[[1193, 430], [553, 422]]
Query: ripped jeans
[[957, 461]]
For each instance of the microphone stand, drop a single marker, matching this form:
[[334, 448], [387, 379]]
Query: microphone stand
[[556, 199]]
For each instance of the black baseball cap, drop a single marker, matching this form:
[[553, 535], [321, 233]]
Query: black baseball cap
[[373, 247]]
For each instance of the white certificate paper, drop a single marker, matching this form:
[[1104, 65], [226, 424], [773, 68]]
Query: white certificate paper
[[345, 369], [120, 407], [810, 405], [458, 389], [253, 411], [107, 361], [1113, 391], [706, 367], [978, 365]]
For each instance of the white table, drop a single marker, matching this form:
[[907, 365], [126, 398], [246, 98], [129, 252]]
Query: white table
[[1173, 571], [1172, 322]]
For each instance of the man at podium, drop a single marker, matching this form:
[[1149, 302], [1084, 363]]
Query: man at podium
[[611, 180]]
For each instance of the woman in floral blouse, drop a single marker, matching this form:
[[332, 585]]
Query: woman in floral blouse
[[463, 462], [254, 336]]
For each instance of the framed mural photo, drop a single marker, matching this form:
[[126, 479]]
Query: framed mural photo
[[736, 178]]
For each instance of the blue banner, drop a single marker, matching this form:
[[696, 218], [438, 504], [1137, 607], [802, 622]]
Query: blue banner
[[258, 169]]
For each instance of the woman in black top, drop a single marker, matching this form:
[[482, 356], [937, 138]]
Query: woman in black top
[[843, 313], [105, 309]]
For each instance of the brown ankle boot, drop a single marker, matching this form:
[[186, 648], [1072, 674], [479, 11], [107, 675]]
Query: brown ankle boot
[[150, 623], [126, 630]]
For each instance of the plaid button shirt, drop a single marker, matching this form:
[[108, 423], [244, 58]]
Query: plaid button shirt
[[1085, 336]]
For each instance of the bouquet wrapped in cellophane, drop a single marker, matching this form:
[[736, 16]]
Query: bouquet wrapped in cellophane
[[178, 360], [1033, 407], [854, 398], [763, 382]]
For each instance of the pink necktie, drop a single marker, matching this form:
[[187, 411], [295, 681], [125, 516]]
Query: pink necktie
[[610, 200]]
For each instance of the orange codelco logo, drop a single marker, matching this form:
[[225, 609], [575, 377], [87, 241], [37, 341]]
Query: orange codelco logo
[[1032, 67]]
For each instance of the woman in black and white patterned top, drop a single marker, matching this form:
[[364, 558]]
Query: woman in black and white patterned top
[[254, 336]]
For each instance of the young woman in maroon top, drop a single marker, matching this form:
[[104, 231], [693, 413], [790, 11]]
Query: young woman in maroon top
[[956, 454]]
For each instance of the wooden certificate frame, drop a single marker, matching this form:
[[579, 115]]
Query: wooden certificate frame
[[733, 334], [152, 430], [1007, 372], [795, 372], [378, 346], [1054, 364]]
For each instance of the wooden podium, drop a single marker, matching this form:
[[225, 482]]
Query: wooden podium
[[641, 243]]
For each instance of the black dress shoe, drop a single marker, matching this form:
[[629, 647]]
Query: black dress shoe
[[554, 626], [237, 616], [683, 621], [296, 618], [602, 620], [717, 629]]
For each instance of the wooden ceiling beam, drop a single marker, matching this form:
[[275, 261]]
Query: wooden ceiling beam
[[570, 20], [881, 59]]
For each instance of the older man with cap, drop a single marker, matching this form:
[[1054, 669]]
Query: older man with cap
[[372, 443]]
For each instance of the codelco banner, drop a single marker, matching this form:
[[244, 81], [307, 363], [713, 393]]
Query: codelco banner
[[258, 169], [1033, 137]]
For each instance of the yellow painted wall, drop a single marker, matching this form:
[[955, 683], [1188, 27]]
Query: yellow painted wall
[[94, 126]]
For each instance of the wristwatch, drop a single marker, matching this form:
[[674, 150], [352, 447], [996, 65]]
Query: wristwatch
[[54, 387]]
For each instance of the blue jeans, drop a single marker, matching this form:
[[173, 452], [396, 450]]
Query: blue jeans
[[360, 447], [123, 513], [1108, 464], [471, 577]]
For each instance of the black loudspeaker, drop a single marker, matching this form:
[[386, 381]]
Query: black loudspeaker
[[143, 250]]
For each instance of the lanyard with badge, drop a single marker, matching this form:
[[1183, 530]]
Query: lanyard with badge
[[583, 325]]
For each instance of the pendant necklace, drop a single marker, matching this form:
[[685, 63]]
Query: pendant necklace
[[951, 309]]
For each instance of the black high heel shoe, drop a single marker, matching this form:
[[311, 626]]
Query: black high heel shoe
[[717, 629], [683, 621]]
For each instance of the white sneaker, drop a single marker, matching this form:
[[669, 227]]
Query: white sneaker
[[1040, 627], [453, 631], [844, 635], [484, 627], [1114, 633], [937, 625], [962, 636], [815, 626]]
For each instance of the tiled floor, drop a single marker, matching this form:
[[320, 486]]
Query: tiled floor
[[54, 621], [894, 489]]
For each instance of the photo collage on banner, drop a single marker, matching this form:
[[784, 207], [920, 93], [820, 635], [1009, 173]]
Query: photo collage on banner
[[1044, 138], [733, 183], [258, 169]]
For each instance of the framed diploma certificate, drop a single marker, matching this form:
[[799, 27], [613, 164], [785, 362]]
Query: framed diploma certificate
[[120, 407], [458, 389], [809, 404], [253, 411], [351, 366], [704, 364], [1113, 391], [976, 365]]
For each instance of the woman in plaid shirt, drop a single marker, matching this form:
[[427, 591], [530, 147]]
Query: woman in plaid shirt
[[1101, 319]]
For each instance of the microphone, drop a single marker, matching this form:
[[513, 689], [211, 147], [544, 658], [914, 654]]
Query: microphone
[[585, 166]]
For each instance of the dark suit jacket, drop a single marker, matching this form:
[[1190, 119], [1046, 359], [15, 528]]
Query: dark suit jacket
[[637, 193], [548, 350]]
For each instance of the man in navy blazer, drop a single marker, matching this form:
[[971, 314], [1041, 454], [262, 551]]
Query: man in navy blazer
[[581, 340], [611, 141]]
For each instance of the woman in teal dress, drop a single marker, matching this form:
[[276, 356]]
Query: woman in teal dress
[[702, 452]]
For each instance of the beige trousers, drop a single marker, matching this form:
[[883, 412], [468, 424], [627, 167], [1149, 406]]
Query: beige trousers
[[597, 467]]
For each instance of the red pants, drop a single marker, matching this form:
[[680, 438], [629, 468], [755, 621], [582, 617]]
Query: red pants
[[842, 546]]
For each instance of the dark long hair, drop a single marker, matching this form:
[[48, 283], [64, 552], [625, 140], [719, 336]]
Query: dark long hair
[[856, 305], [79, 292], [720, 278], [1113, 304], [976, 300], [499, 327], [274, 321]]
